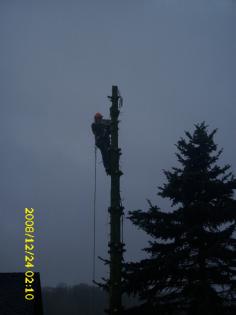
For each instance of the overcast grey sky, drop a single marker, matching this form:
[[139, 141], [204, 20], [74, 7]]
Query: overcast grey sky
[[174, 63]]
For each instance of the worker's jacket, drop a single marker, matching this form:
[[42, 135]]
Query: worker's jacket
[[102, 131]]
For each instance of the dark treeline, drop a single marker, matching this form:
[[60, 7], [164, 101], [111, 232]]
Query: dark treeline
[[80, 299]]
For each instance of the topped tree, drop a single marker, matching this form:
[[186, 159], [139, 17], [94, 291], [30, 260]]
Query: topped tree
[[191, 264]]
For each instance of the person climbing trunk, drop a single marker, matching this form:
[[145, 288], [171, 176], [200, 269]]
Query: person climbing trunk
[[101, 129]]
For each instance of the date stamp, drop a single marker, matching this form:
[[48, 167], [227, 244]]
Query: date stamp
[[29, 253]]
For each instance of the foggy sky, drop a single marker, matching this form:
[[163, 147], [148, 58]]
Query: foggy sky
[[174, 63]]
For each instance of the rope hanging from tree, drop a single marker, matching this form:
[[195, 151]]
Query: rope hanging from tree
[[94, 211]]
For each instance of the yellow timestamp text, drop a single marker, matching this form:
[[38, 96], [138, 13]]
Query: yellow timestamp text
[[29, 253]]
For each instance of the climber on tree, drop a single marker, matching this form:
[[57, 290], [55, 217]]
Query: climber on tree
[[102, 130]]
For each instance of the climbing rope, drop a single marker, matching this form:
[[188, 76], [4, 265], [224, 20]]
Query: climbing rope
[[122, 224], [91, 304], [94, 216], [94, 210]]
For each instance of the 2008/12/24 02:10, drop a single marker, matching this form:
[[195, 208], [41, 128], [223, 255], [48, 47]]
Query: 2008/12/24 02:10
[[29, 253]]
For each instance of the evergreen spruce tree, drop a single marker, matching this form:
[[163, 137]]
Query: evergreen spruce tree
[[191, 264]]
